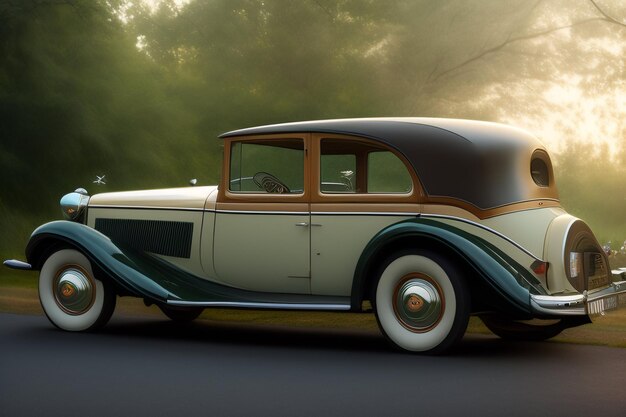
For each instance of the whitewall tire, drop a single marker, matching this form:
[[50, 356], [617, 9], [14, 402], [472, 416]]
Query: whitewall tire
[[71, 296], [422, 303]]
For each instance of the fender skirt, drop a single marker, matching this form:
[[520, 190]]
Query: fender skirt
[[510, 280]]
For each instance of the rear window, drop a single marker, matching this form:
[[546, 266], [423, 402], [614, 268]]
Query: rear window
[[539, 172]]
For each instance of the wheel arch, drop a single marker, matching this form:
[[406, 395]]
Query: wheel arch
[[110, 261], [370, 265], [43, 247], [489, 276]]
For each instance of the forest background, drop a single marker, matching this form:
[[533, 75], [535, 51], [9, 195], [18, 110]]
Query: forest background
[[139, 90]]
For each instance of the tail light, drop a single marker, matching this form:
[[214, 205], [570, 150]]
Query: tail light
[[540, 268]]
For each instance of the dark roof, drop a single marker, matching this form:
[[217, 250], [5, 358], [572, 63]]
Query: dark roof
[[485, 164]]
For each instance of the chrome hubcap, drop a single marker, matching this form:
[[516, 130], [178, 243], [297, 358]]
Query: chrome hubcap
[[418, 303], [73, 290]]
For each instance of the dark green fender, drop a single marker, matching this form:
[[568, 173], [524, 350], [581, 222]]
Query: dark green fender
[[510, 280], [126, 268]]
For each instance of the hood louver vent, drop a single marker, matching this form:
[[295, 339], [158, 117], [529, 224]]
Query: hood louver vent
[[161, 237]]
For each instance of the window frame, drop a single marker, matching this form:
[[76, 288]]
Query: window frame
[[542, 155], [226, 195], [317, 196]]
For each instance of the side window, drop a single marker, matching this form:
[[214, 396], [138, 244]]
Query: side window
[[352, 166], [387, 174], [338, 173], [267, 166]]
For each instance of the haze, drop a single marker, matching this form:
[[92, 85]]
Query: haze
[[138, 91]]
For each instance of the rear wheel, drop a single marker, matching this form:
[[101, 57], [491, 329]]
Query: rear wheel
[[71, 296], [422, 303], [532, 330]]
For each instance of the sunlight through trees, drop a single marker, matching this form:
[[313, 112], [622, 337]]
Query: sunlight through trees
[[138, 90]]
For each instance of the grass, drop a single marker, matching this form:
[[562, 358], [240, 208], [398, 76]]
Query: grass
[[19, 295]]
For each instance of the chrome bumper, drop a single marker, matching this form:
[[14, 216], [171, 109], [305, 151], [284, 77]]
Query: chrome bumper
[[15, 264], [590, 303]]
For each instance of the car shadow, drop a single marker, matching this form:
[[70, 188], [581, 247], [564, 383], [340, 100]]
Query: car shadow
[[308, 338]]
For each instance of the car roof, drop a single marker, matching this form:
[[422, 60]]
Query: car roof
[[483, 163]]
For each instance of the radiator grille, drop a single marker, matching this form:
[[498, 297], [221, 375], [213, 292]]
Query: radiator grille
[[162, 237]]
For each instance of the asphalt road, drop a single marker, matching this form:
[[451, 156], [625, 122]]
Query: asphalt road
[[148, 366]]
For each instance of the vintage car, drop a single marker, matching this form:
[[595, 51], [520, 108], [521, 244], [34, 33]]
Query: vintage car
[[423, 221]]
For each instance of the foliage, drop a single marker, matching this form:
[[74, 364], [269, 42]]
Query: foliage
[[593, 187]]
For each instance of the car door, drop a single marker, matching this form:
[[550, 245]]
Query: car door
[[359, 188], [262, 233]]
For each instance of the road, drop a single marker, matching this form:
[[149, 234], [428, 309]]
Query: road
[[148, 366]]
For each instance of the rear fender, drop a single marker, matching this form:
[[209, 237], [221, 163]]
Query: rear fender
[[510, 280]]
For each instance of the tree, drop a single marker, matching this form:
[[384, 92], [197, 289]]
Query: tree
[[76, 100], [136, 92]]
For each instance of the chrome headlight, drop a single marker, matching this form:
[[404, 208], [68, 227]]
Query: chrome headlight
[[73, 204]]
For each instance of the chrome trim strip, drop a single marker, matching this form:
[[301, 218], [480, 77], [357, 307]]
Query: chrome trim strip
[[565, 235], [300, 213], [364, 213], [242, 304], [305, 213], [488, 229], [103, 206], [15, 264]]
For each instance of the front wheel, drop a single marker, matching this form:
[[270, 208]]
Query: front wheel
[[422, 303], [71, 296]]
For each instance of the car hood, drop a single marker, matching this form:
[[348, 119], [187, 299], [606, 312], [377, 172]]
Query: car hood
[[178, 198]]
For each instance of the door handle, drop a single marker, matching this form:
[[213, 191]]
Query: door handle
[[305, 224]]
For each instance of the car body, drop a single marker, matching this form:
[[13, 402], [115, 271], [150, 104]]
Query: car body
[[425, 221]]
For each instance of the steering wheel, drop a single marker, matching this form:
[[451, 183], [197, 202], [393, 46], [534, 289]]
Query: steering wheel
[[270, 183]]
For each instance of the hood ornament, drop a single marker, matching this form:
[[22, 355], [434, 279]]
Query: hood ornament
[[100, 180]]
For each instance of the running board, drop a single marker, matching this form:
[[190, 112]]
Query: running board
[[263, 305]]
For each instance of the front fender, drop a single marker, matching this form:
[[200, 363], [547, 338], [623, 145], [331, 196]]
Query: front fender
[[125, 267], [510, 280]]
